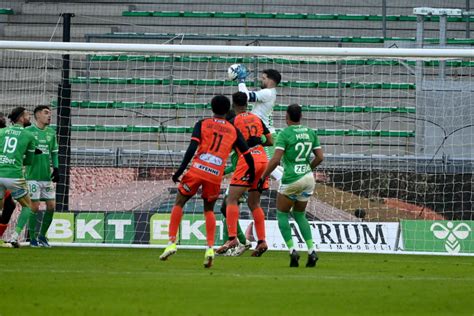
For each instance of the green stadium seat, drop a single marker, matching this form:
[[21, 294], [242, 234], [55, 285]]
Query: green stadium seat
[[6, 11], [229, 15], [194, 106], [221, 83], [263, 38], [187, 130], [269, 60], [198, 14], [283, 15]]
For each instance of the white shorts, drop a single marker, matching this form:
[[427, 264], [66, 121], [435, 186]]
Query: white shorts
[[41, 190], [17, 187], [300, 190]]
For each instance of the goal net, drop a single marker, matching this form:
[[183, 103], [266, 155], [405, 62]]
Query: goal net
[[396, 130]]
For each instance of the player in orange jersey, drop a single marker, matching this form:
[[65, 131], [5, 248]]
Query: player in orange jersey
[[252, 127], [212, 140]]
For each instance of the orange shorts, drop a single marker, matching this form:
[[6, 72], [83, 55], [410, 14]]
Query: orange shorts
[[239, 175], [191, 182]]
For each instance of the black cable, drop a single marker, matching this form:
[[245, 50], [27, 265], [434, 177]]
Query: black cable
[[446, 135]]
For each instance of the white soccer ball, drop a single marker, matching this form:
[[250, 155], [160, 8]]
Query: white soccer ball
[[232, 71]]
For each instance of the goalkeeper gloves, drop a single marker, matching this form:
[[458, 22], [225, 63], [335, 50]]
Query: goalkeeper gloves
[[242, 73], [55, 175]]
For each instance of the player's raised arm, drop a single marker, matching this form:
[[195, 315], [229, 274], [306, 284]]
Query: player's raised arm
[[193, 146], [239, 73]]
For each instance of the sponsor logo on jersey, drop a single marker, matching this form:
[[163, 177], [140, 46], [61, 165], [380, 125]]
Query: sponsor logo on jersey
[[206, 169], [4, 160], [44, 148], [245, 178], [302, 169], [210, 158], [220, 121]]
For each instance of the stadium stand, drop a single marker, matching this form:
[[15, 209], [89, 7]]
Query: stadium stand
[[119, 21], [102, 19], [342, 109]]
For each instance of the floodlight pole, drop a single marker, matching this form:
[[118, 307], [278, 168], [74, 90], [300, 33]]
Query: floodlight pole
[[468, 18], [384, 18], [443, 25], [419, 44], [64, 124], [419, 79]]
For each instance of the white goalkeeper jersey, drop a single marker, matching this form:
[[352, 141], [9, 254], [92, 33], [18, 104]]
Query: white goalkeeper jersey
[[264, 101]]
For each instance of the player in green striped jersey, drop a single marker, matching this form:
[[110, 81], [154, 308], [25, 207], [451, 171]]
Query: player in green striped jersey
[[39, 175], [17, 148], [294, 146]]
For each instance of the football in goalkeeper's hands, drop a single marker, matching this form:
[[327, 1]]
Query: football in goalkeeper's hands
[[237, 71]]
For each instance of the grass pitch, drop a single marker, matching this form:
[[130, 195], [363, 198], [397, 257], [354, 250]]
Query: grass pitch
[[104, 281]]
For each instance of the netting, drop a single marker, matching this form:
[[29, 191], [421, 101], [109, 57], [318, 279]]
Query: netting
[[397, 137]]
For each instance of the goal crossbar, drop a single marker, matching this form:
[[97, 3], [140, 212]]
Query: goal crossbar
[[243, 50]]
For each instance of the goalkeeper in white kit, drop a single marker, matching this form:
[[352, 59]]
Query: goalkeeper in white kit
[[264, 101]]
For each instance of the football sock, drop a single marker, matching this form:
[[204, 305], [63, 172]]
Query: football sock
[[32, 221], [224, 206], [225, 232], [3, 228], [305, 229], [240, 234], [232, 219], [210, 227], [24, 216], [259, 218], [175, 220], [285, 229], [8, 207], [47, 219]]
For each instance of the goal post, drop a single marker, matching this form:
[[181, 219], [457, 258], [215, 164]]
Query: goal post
[[398, 139]]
